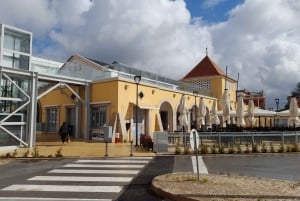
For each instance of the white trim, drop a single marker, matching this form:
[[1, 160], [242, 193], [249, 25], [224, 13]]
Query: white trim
[[100, 102]]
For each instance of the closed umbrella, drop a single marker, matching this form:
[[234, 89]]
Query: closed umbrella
[[240, 113], [293, 120], [225, 102], [251, 118], [201, 113], [183, 119], [214, 114]]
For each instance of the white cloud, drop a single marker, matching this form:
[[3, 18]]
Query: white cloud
[[260, 39], [147, 34], [32, 15]]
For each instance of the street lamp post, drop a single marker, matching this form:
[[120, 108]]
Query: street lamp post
[[137, 80], [195, 93], [277, 103]]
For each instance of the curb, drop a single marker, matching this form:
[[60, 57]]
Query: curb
[[169, 196]]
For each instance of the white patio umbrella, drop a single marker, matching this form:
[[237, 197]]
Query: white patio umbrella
[[293, 120], [214, 114], [201, 113], [183, 114], [225, 102], [240, 122], [251, 118]]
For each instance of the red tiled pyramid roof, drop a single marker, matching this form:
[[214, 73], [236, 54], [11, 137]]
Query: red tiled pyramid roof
[[206, 67]]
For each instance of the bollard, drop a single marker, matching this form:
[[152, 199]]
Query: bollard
[[131, 148], [106, 149]]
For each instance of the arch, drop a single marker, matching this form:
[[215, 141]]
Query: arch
[[166, 115]]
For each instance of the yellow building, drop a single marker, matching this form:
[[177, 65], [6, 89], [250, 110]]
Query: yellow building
[[114, 94], [95, 97]]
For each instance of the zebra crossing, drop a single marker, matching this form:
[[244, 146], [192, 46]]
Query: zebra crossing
[[84, 179]]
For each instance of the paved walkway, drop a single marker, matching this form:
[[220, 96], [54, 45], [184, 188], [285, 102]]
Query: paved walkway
[[50, 144]]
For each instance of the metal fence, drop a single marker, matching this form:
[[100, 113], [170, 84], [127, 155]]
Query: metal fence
[[236, 140]]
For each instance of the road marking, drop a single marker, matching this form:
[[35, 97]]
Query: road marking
[[51, 199], [136, 157], [112, 161], [104, 166], [202, 167], [85, 171], [64, 188], [83, 179]]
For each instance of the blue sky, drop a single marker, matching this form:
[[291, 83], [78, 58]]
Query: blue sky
[[260, 40], [211, 11]]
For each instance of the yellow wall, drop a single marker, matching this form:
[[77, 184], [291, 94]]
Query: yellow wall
[[58, 100], [120, 96]]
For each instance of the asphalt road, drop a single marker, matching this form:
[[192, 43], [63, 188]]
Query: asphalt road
[[273, 166], [79, 179]]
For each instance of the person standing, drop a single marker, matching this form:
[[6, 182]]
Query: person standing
[[63, 132]]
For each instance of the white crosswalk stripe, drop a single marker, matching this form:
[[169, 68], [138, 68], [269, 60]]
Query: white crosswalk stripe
[[84, 171], [201, 165], [103, 179], [90, 179], [50, 199], [104, 166]]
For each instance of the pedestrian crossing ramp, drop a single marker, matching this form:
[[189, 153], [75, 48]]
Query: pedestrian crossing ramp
[[84, 179]]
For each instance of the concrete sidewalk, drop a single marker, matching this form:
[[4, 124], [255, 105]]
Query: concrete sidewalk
[[48, 145]]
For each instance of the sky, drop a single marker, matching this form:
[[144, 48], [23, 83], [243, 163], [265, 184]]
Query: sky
[[257, 39]]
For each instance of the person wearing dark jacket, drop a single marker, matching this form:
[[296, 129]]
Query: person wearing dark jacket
[[63, 132]]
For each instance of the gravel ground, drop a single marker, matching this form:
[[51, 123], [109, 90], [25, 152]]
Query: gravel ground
[[182, 186]]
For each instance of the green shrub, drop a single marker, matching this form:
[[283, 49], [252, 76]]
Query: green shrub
[[247, 149], [8, 155], [255, 148], [239, 149], [59, 153], [272, 148], [297, 148], [187, 150], [214, 149], [264, 148], [288, 148], [222, 150], [26, 154], [15, 153], [203, 149], [281, 149], [177, 149], [231, 150], [35, 152]]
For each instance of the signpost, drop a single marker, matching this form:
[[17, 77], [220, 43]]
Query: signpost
[[194, 142]]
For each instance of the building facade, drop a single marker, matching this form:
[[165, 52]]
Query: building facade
[[40, 94]]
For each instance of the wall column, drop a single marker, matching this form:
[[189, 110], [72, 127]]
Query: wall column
[[87, 132], [31, 137]]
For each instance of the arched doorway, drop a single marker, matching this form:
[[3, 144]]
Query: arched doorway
[[166, 115]]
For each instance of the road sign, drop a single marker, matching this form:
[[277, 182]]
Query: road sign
[[194, 139]]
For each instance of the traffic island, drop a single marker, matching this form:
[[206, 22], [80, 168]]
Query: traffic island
[[186, 187]]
